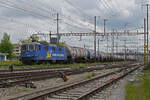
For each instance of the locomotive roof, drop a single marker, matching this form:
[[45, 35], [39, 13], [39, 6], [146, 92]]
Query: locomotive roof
[[41, 44], [31, 43]]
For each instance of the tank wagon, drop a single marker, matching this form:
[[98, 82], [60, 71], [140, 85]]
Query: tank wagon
[[49, 53], [77, 54]]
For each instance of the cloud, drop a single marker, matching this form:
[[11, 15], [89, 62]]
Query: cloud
[[21, 18]]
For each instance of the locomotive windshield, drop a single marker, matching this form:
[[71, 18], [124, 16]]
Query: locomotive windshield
[[24, 48], [31, 47], [28, 47]]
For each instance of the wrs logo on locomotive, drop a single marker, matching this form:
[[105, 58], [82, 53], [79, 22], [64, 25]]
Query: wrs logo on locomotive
[[49, 55]]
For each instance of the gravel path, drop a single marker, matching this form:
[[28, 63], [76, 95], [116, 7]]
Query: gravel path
[[118, 93]]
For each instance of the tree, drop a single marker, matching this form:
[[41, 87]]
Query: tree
[[6, 46]]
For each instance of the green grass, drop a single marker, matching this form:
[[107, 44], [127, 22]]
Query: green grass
[[90, 75], [74, 65], [147, 67], [140, 90], [7, 63]]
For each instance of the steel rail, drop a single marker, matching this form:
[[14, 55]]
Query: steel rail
[[60, 89], [99, 89], [17, 79]]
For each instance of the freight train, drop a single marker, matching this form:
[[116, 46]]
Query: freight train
[[35, 52]]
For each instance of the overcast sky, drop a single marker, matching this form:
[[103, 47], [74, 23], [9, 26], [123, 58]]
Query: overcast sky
[[21, 18]]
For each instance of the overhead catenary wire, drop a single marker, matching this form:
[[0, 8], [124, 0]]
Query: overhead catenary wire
[[106, 7], [103, 13], [79, 9], [38, 14], [71, 19], [12, 20], [70, 22], [9, 5], [24, 10], [48, 11], [113, 4]]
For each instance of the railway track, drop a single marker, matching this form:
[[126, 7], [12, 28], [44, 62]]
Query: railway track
[[39, 69], [13, 79], [81, 90], [95, 93], [32, 69]]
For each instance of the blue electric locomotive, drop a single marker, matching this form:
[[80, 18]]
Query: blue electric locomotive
[[48, 53], [37, 53]]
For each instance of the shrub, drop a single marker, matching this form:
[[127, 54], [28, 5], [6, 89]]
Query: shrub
[[90, 75]]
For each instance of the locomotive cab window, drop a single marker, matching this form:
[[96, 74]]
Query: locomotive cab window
[[46, 48], [38, 48], [24, 48], [60, 49], [31, 47]]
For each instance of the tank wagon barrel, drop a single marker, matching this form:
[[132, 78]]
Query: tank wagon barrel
[[49, 53]]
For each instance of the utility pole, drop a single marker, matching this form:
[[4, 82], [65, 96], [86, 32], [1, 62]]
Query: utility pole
[[50, 37], [98, 47], [105, 33], [147, 6], [125, 53], [145, 46], [117, 45], [147, 31], [117, 53], [105, 26], [57, 28], [137, 49], [95, 38], [113, 44]]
